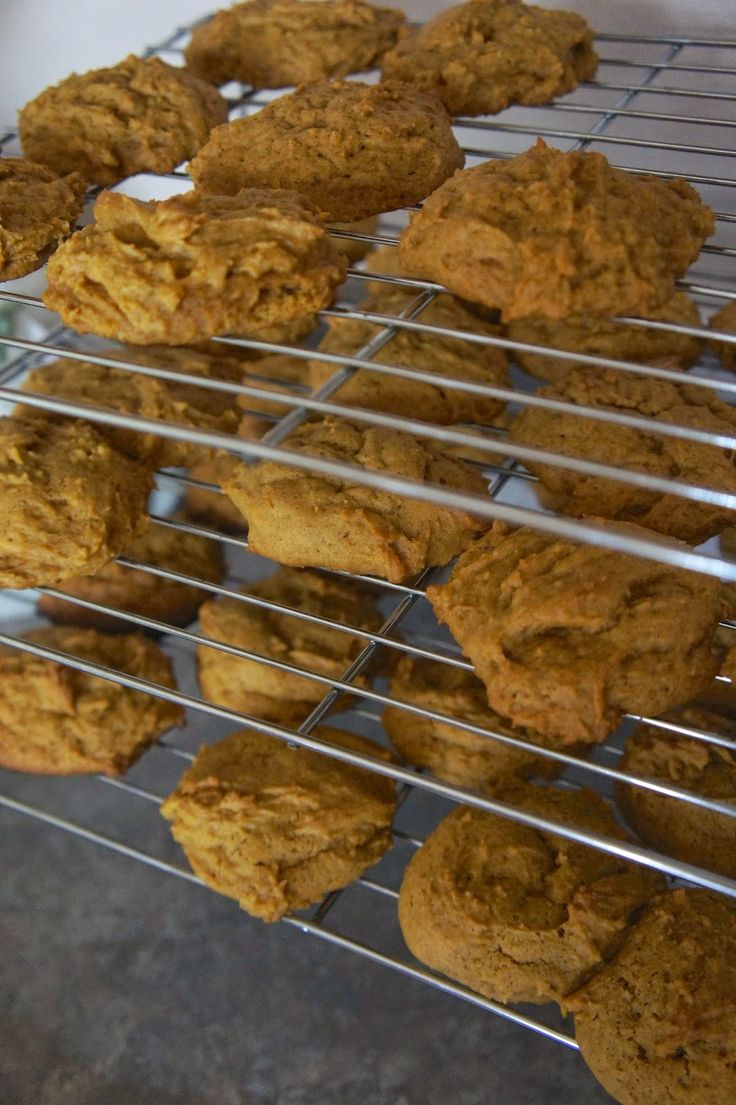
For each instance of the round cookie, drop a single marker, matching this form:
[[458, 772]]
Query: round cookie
[[38, 209], [274, 43], [55, 720], [140, 116], [567, 638], [557, 234], [656, 1024], [725, 319], [187, 268], [353, 149], [276, 828], [69, 502], [515, 913], [487, 54]]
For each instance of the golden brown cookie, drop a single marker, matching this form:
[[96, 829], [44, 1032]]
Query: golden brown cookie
[[635, 450], [515, 913], [276, 827], [301, 518], [656, 1025], [69, 502], [259, 690], [140, 116], [55, 720], [38, 209], [567, 638], [184, 269], [352, 149], [557, 234], [274, 43], [725, 319]]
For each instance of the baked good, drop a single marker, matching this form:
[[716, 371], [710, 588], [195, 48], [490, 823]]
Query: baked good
[[259, 690], [184, 269], [38, 209], [69, 502], [631, 449], [567, 638], [56, 720], [557, 234], [353, 248], [304, 519], [515, 913], [353, 149], [725, 319], [138, 591], [487, 54], [656, 1024], [277, 828], [280, 373], [274, 43], [140, 116], [608, 337]]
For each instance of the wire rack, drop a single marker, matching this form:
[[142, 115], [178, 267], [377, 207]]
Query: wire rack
[[661, 105]]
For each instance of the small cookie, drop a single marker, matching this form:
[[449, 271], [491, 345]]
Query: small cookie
[[567, 638], [276, 827], [55, 720], [69, 502], [301, 518], [190, 267], [515, 913], [656, 1024], [140, 116], [353, 149], [725, 319], [259, 690], [38, 209], [557, 234]]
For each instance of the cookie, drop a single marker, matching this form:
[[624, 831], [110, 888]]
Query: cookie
[[567, 638], [354, 150], [38, 209], [55, 720], [655, 1025], [725, 319], [557, 234], [181, 270], [140, 116], [515, 913], [259, 690], [625, 447], [353, 248], [303, 519], [276, 828], [69, 502]]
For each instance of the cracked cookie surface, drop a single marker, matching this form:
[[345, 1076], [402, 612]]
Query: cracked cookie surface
[[38, 209]]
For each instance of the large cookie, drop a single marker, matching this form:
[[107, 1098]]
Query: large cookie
[[38, 209]]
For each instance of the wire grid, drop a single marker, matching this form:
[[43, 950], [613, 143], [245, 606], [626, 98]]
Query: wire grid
[[610, 123]]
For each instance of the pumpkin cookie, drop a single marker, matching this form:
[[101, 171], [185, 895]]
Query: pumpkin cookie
[[38, 209], [277, 828], [140, 116], [725, 319], [557, 234], [184, 269], [55, 720], [567, 638], [353, 149]]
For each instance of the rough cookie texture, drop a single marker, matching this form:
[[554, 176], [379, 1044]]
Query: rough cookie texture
[[557, 234], [301, 518], [140, 116], [656, 1025], [353, 149], [567, 638], [275, 827], [632, 449], [69, 502], [515, 913], [38, 209], [261, 691], [55, 720], [485, 55], [274, 43], [725, 319], [184, 269]]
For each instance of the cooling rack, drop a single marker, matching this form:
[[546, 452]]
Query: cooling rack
[[660, 105]]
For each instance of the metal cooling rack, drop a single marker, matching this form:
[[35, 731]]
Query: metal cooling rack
[[664, 107]]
